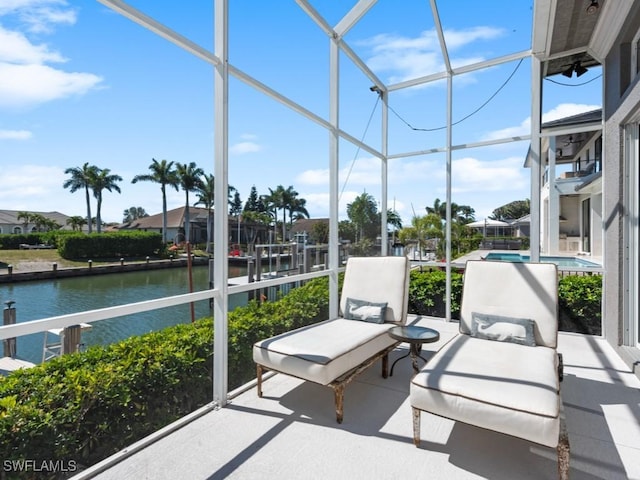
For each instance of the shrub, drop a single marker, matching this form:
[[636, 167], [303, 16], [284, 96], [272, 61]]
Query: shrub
[[428, 293], [12, 241], [580, 302], [87, 406], [110, 245]]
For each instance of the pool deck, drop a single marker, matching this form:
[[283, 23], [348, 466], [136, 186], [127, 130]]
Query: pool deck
[[481, 254]]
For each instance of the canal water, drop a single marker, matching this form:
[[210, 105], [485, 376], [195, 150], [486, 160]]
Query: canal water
[[50, 298]]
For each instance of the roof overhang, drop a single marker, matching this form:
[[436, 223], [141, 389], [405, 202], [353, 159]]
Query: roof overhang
[[577, 130], [570, 31]]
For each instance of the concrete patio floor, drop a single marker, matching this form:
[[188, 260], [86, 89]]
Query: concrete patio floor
[[291, 432]]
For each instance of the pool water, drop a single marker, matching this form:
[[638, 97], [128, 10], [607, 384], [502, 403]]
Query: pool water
[[560, 261]]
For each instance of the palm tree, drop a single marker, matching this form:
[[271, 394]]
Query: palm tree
[[161, 172], [76, 222], [103, 180], [278, 199], [81, 178], [251, 219], [205, 192], [206, 196], [26, 218], [133, 213], [297, 209], [421, 230], [267, 206], [393, 219], [38, 221], [189, 179], [362, 211], [439, 208]]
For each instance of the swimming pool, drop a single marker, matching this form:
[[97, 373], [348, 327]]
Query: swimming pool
[[560, 261]]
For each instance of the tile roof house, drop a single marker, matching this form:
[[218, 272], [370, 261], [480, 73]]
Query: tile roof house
[[9, 222], [198, 221], [175, 224]]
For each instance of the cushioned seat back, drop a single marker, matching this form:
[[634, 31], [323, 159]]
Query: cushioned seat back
[[516, 290], [378, 279]]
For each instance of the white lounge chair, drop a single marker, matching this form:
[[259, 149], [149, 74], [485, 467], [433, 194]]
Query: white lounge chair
[[485, 379], [334, 351]]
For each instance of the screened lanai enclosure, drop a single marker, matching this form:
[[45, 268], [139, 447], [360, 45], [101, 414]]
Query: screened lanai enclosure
[[358, 113], [409, 102]]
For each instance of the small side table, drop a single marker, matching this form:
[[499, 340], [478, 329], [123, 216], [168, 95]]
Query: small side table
[[415, 336]]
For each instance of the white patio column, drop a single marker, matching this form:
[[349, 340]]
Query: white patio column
[[221, 234], [384, 96], [334, 167], [536, 165], [553, 220]]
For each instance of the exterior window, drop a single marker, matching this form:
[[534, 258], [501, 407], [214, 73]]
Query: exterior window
[[17, 230], [598, 153]]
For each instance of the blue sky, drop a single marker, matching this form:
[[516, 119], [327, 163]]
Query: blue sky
[[80, 83]]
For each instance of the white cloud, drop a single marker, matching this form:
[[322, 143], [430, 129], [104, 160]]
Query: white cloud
[[523, 129], [459, 38], [26, 85], [471, 174], [319, 176], [410, 58], [567, 110], [244, 147], [34, 185], [364, 171], [39, 16], [15, 135], [16, 48], [26, 79], [563, 110]]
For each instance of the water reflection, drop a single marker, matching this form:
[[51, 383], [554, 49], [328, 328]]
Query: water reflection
[[43, 299]]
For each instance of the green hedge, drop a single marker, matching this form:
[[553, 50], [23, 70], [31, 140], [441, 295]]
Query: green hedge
[[580, 300], [110, 245], [428, 293], [12, 241], [86, 406]]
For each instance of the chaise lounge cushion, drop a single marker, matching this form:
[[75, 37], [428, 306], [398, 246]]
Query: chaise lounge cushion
[[322, 352], [500, 386]]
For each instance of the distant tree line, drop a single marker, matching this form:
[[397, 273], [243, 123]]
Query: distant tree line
[[429, 230], [278, 209]]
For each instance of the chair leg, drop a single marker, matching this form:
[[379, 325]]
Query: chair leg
[[385, 366], [338, 391], [259, 379], [563, 451], [416, 426]]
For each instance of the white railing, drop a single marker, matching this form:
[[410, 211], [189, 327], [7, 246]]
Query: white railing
[[91, 316]]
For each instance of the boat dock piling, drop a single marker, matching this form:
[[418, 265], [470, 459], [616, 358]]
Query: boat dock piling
[[9, 318]]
